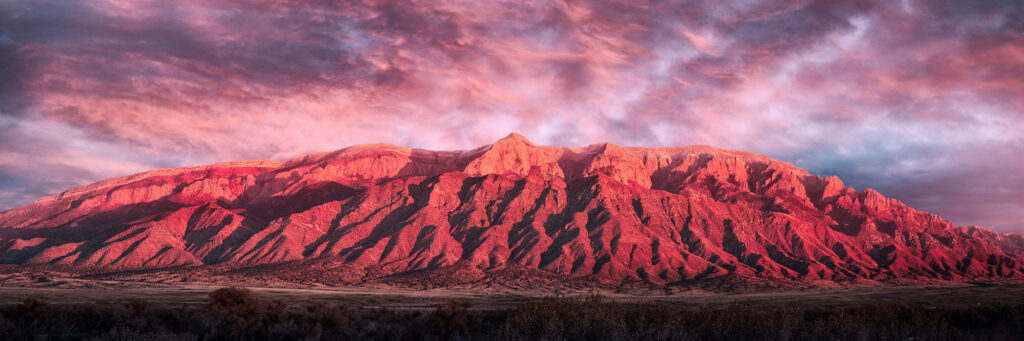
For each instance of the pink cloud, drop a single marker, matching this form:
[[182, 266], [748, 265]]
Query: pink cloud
[[873, 91]]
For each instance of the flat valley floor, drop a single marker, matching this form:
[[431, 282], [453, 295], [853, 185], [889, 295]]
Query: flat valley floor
[[377, 297]]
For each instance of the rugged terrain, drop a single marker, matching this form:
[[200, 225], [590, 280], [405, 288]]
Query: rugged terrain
[[504, 213]]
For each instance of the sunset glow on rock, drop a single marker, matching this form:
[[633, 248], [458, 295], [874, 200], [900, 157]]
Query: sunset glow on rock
[[603, 213], [511, 170]]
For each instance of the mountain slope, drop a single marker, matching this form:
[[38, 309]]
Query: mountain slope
[[604, 213]]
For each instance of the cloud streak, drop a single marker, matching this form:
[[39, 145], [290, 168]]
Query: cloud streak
[[918, 99]]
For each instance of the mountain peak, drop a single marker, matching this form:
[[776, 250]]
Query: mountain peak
[[516, 137], [516, 155], [609, 148]]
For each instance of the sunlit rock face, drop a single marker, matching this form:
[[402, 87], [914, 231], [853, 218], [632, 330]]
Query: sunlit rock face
[[604, 213]]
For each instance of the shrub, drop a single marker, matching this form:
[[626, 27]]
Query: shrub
[[451, 319], [232, 298], [237, 314]]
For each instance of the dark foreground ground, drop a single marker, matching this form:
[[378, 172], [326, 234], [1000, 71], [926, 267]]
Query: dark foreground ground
[[117, 312]]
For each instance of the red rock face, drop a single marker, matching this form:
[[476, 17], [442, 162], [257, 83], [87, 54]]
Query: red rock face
[[604, 213]]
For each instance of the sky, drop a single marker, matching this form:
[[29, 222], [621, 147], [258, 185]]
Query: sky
[[920, 100]]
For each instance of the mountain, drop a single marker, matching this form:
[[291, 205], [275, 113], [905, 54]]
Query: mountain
[[603, 214]]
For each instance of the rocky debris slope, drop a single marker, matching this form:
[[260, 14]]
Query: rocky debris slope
[[604, 213]]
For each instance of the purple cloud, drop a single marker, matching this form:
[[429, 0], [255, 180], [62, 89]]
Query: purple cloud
[[918, 99]]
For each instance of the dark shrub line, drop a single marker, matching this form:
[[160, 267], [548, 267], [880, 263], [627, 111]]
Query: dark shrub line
[[237, 314]]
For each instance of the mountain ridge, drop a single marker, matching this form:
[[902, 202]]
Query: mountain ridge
[[604, 213]]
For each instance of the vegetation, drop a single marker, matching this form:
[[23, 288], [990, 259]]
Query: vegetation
[[236, 314]]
